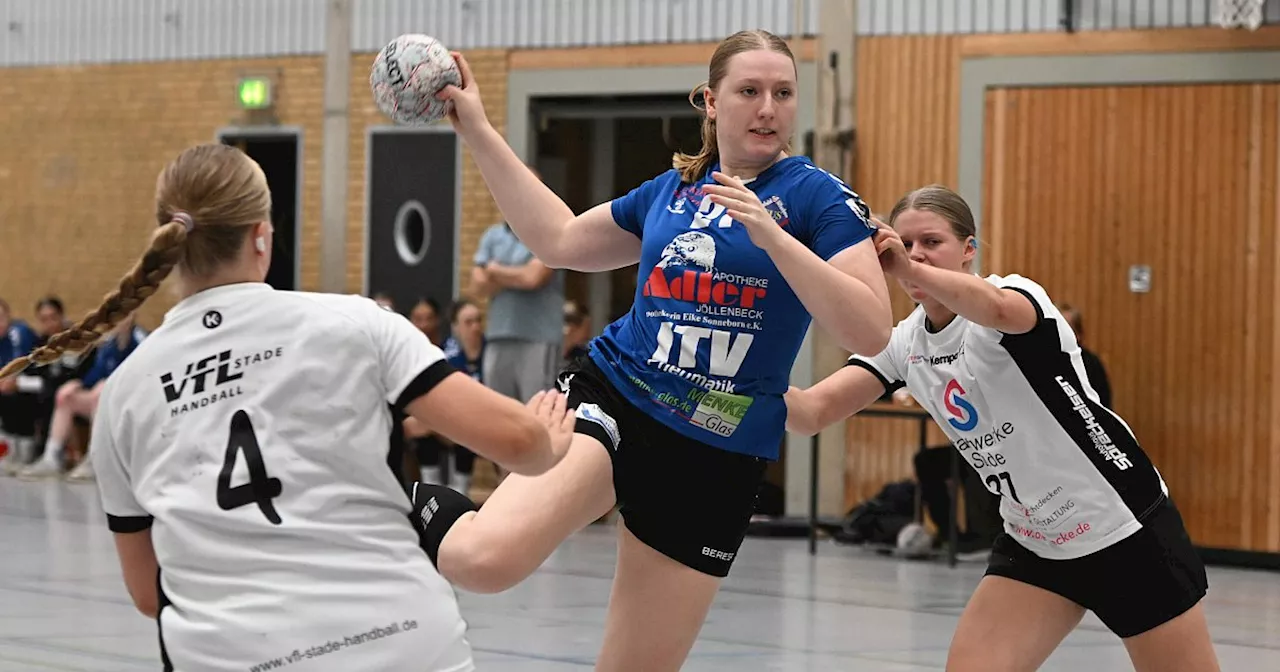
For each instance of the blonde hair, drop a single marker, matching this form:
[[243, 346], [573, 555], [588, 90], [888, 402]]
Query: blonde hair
[[208, 199], [941, 201], [692, 167]]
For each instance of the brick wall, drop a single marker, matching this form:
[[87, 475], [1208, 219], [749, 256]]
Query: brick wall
[[80, 148], [478, 208]]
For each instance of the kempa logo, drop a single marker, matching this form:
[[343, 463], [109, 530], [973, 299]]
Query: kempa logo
[[197, 374], [936, 360]]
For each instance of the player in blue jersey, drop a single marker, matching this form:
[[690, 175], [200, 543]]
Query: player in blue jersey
[[680, 402], [17, 410]]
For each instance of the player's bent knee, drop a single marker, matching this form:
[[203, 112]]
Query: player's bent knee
[[64, 393], [479, 567]]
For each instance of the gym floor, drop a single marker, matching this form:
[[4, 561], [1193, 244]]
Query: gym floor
[[63, 605]]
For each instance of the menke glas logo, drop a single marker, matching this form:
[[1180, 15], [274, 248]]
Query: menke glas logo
[[964, 415]]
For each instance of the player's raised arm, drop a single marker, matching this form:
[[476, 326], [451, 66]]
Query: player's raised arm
[[591, 241], [907, 247]]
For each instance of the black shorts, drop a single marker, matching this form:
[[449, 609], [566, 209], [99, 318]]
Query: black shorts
[[1134, 585], [685, 499], [18, 414]]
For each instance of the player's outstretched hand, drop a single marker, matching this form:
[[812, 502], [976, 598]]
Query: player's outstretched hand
[[551, 409], [467, 115]]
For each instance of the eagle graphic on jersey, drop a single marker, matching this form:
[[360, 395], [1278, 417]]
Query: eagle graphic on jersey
[[693, 248]]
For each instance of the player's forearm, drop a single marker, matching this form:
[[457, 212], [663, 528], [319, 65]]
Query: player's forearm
[[964, 294], [534, 212], [801, 414], [858, 316]]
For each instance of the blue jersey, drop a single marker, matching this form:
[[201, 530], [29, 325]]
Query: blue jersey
[[708, 345], [457, 357], [18, 341], [110, 355]]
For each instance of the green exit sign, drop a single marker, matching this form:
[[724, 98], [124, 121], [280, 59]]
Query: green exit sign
[[254, 93]]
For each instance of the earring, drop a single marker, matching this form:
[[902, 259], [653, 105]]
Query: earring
[[260, 244]]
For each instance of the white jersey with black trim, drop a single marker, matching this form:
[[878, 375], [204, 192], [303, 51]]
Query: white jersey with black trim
[[249, 432], [1020, 409]]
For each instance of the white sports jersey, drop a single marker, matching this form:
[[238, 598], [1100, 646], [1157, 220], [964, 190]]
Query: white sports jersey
[[1020, 409], [250, 432]]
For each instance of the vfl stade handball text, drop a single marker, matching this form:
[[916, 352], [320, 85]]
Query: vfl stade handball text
[[332, 646]]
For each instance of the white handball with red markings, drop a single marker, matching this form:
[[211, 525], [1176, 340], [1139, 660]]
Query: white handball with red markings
[[407, 74]]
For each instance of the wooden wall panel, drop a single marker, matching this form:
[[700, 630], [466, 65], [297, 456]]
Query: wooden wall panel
[[907, 112], [1081, 184]]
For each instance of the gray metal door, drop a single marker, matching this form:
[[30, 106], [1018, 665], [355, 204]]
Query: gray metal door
[[412, 182]]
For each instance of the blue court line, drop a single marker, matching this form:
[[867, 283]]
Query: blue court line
[[38, 663], [910, 610], [68, 594], [41, 645], [44, 515], [535, 656]]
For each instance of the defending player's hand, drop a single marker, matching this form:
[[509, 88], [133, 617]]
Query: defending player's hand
[[468, 110], [893, 254], [743, 206], [551, 409]]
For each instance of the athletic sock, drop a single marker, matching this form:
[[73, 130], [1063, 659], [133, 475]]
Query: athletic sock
[[460, 482], [53, 452], [435, 509], [431, 475], [24, 448]]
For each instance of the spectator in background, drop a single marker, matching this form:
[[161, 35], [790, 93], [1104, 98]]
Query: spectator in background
[[44, 381], [1093, 368], [17, 411], [426, 317], [428, 445], [79, 398], [525, 324], [384, 299], [465, 352], [577, 330]]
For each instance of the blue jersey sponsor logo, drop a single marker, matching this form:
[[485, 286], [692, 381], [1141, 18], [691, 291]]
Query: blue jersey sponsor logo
[[714, 329]]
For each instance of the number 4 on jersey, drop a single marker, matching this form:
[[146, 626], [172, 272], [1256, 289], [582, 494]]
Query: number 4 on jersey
[[261, 488]]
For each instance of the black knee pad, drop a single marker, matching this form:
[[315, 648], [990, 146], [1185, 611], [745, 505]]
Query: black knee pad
[[435, 509]]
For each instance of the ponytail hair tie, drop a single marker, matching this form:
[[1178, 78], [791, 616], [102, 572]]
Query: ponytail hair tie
[[187, 222]]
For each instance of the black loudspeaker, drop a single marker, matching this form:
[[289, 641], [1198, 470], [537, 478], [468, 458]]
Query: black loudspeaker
[[413, 190]]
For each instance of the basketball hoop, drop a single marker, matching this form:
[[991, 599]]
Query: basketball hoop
[[1238, 13]]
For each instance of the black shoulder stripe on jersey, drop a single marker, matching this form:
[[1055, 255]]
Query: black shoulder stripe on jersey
[[1032, 299], [1034, 303], [1041, 322], [888, 386], [1108, 444], [128, 524], [425, 382]]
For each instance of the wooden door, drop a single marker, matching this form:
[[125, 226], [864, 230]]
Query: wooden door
[[1084, 183]]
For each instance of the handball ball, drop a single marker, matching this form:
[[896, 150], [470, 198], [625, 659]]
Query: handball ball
[[407, 74]]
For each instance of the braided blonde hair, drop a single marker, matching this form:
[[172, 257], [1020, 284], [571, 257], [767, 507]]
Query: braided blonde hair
[[208, 199]]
